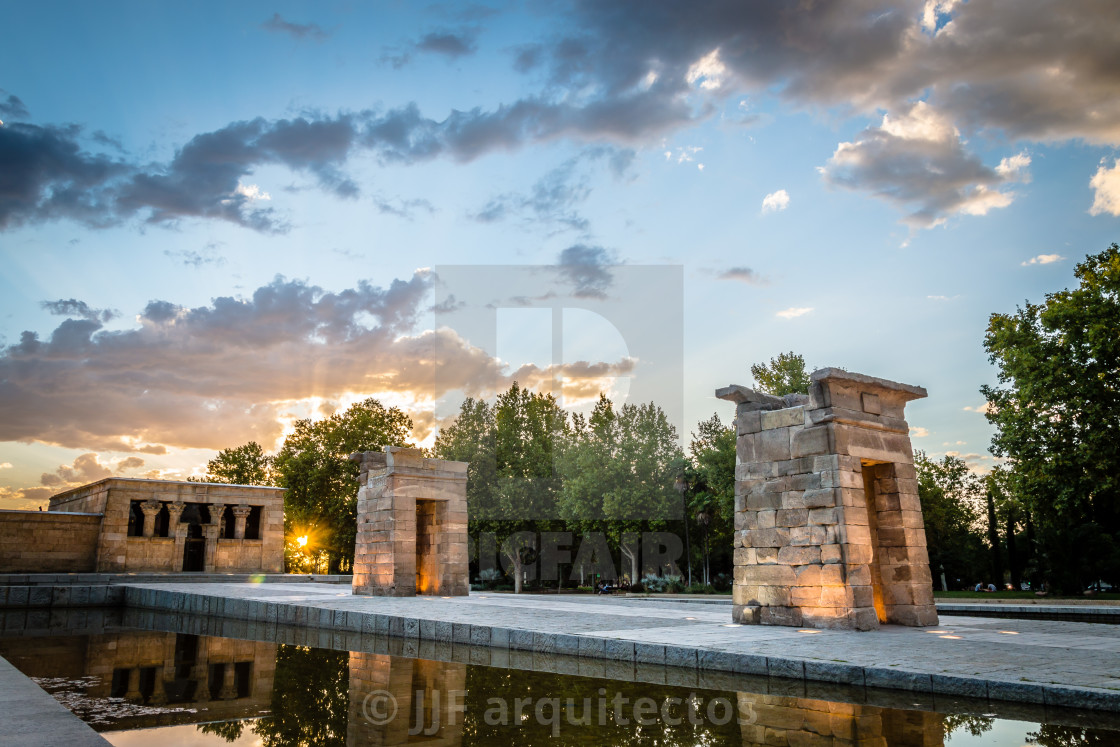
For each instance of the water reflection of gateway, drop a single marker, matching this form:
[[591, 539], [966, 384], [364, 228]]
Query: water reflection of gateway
[[176, 677]]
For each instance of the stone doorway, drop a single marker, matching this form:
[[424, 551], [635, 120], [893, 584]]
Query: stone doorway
[[194, 550]]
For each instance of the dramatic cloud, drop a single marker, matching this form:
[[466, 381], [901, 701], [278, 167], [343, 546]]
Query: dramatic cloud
[[742, 274], [775, 201], [301, 31], [793, 312], [237, 369], [629, 72], [1106, 190], [1043, 259], [917, 160]]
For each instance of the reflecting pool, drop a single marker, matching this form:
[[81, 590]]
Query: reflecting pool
[[143, 678]]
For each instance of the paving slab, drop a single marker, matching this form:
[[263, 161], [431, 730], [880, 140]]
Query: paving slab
[[1029, 661]]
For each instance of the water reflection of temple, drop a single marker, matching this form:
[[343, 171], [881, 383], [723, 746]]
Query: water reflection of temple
[[426, 705], [775, 719], [176, 677]]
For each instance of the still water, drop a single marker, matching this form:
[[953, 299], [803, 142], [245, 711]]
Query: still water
[[150, 679]]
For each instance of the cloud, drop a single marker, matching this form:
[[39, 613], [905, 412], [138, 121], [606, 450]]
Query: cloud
[[72, 307], [86, 468], [208, 255], [917, 160], [450, 44], [918, 432], [587, 269], [743, 275], [1043, 259], [301, 31], [775, 201], [628, 74], [944, 298], [11, 107], [793, 312], [403, 208], [233, 370], [5, 465], [985, 408], [1106, 190]]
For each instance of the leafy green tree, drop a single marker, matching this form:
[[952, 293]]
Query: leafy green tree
[[951, 506], [619, 471], [241, 465], [712, 489], [1056, 409], [512, 485], [321, 482], [785, 374]]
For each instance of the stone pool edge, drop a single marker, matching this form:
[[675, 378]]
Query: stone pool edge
[[601, 647]]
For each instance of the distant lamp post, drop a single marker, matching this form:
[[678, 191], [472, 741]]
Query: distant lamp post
[[681, 486]]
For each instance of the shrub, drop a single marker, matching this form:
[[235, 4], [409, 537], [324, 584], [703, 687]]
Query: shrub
[[489, 578], [722, 582], [661, 584]]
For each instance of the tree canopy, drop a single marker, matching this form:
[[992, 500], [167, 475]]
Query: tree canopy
[[783, 375], [1056, 411], [321, 483]]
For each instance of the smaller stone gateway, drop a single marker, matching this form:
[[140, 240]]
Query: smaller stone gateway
[[412, 525], [828, 525]]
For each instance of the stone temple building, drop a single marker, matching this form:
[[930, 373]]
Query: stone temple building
[[119, 525], [828, 525]]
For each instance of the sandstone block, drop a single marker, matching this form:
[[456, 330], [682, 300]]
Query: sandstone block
[[810, 442], [783, 418], [799, 555]]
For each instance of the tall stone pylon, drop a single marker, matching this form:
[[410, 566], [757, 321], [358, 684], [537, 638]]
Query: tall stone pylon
[[412, 525], [828, 525]]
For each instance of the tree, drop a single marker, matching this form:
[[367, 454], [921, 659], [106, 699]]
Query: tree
[[783, 375], [322, 483], [1056, 410], [619, 473], [511, 482], [951, 505], [713, 487], [241, 465]]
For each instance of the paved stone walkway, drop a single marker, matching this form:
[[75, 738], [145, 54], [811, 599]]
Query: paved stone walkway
[[1059, 664], [32, 717]]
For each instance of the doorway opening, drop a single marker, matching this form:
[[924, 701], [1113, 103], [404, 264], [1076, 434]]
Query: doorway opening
[[426, 547], [869, 469]]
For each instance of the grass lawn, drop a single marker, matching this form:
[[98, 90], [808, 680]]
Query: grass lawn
[[1012, 595]]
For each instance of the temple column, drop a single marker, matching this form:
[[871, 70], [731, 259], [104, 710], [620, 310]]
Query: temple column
[[240, 516], [151, 510]]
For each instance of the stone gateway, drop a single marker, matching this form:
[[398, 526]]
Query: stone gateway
[[828, 526], [412, 525]]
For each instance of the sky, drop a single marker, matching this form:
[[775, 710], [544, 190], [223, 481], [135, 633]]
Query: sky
[[217, 218]]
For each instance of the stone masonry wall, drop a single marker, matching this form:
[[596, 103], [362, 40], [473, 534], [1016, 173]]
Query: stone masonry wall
[[395, 554], [829, 529], [45, 542]]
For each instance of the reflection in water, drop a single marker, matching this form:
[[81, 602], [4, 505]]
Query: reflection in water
[[285, 694]]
